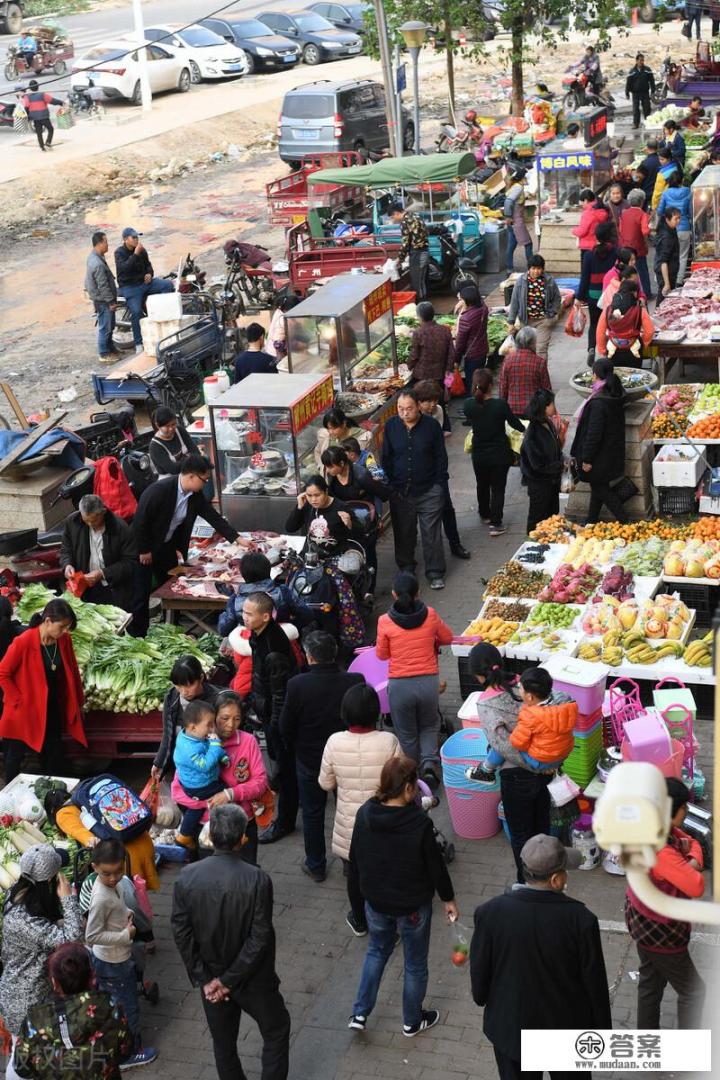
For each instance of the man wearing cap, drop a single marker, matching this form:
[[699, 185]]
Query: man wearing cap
[[136, 280], [36, 104], [536, 959]]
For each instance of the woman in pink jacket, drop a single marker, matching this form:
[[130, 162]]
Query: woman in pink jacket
[[245, 776], [593, 212], [410, 636]]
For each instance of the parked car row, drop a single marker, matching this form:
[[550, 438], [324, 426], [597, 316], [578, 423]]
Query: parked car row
[[220, 47]]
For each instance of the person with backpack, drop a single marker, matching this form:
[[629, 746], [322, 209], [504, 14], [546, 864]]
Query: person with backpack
[[110, 932], [42, 692], [625, 328]]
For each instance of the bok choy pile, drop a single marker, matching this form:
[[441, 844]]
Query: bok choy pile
[[120, 674]]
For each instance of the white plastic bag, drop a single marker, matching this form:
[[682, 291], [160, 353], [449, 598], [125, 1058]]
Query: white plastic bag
[[507, 346], [567, 482], [562, 789], [390, 269]]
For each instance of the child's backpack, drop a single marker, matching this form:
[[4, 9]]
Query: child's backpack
[[110, 809]]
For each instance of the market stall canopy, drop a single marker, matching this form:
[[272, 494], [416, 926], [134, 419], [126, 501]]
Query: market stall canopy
[[430, 169]]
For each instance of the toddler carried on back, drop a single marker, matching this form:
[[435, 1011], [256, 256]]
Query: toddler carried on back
[[543, 734]]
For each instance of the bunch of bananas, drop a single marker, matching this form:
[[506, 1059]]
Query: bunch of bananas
[[669, 648], [590, 651], [641, 653], [612, 655], [699, 653], [633, 638], [612, 638]]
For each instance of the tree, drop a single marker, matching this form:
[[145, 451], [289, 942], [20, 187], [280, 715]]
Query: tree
[[547, 22]]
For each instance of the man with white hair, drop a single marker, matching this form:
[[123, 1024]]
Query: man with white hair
[[222, 925], [523, 372], [101, 546]]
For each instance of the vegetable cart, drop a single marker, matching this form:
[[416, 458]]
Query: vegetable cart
[[288, 198]]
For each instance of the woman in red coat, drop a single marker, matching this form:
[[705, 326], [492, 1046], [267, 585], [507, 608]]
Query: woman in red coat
[[42, 692]]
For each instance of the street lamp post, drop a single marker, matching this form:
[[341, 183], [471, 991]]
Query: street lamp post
[[142, 56], [414, 36]]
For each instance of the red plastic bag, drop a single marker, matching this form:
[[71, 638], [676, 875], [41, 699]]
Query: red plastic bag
[[561, 426], [150, 795], [111, 485], [77, 584], [576, 322], [457, 386], [142, 897]]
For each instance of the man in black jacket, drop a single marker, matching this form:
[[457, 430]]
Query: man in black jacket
[[273, 665], [640, 85], [222, 925], [135, 278], [101, 546], [414, 460], [310, 715], [536, 958], [162, 526]]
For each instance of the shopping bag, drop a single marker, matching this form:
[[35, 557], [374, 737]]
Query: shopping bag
[[21, 124], [467, 445], [457, 386], [507, 346], [390, 269], [625, 489], [142, 896], [65, 119], [562, 789], [576, 322], [685, 29], [76, 584], [460, 944], [515, 438], [150, 795], [567, 481]]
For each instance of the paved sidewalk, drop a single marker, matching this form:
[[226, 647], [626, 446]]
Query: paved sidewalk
[[319, 960]]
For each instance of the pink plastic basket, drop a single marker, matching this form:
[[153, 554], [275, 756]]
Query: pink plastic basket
[[375, 671], [474, 814], [624, 705], [587, 721], [671, 767]]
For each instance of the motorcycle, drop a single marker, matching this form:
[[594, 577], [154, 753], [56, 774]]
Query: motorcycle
[[81, 102], [452, 140], [580, 93], [665, 85], [251, 284]]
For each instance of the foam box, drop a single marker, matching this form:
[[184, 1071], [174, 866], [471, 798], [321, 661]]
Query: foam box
[[164, 306]]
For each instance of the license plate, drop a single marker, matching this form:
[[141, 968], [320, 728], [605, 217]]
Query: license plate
[[288, 59], [233, 67], [307, 134], [354, 48]]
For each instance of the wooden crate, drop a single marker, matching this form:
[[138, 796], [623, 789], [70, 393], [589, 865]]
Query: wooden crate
[[559, 247]]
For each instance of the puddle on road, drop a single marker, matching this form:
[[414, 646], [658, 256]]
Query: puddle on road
[[197, 221]]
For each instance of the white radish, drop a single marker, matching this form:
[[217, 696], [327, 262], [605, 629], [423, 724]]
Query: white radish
[[20, 840], [33, 832], [6, 882], [13, 869]]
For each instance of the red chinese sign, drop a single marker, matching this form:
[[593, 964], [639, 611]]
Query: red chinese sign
[[378, 302], [319, 400]]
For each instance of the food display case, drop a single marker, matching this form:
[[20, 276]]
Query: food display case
[[706, 215], [564, 171], [346, 328], [264, 432]]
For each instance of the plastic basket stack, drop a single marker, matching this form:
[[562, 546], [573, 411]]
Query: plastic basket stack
[[581, 763], [473, 807]]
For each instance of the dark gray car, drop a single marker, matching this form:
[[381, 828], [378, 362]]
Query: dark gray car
[[344, 16], [318, 38], [263, 48], [324, 117]]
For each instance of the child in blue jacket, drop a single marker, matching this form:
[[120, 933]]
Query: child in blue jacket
[[198, 757]]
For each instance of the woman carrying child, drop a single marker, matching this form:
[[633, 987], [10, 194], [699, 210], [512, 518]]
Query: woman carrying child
[[244, 779], [525, 797]]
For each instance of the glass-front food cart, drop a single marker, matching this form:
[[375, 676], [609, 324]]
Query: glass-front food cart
[[264, 432], [346, 328], [563, 172], [706, 214]]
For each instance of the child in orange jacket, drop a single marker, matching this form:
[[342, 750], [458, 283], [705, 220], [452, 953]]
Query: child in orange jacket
[[543, 734]]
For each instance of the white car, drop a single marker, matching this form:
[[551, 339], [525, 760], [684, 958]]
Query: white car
[[207, 54], [113, 68]]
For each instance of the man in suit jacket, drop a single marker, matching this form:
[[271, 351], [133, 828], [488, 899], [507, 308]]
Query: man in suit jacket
[[536, 959], [162, 526], [310, 715], [101, 546]]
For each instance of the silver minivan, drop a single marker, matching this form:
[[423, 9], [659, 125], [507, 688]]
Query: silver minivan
[[323, 117]]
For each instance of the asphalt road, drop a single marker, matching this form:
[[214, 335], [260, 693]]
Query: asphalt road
[[92, 27]]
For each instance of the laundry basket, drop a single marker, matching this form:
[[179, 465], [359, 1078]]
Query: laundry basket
[[473, 807]]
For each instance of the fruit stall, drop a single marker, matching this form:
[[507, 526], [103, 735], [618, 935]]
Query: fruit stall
[[610, 594]]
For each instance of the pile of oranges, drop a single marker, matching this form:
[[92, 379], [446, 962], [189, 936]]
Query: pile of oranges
[[553, 530], [638, 530], [707, 528], [707, 428]]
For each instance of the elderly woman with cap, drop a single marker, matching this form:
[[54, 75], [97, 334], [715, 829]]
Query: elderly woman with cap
[[40, 913], [471, 339]]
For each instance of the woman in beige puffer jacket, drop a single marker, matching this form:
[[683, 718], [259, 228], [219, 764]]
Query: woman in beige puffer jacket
[[352, 762]]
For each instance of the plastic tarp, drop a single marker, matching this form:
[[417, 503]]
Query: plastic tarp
[[406, 171], [72, 456]]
